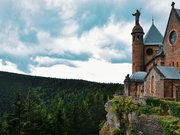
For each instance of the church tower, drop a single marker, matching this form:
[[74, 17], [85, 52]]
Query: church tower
[[137, 45]]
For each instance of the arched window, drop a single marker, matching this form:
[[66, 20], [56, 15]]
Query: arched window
[[152, 84]]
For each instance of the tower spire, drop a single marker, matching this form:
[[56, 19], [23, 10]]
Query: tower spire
[[152, 20]]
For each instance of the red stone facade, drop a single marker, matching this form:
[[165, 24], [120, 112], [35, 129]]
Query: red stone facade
[[157, 86], [172, 51], [140, 58], [137, 49], [171, 88], [154, 84], [148, 58]]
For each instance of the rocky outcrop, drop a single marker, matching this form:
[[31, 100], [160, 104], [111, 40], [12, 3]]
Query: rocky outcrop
[[142, 125], [111, 123], [112, 120], [146, 125]]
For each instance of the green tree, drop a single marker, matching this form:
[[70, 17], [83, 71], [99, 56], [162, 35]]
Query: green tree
[[121, 107]]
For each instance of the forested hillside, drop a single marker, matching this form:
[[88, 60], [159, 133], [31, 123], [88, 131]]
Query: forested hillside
[[38, 105]]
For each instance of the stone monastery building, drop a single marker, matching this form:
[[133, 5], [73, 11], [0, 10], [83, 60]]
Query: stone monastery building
[[155, 60]]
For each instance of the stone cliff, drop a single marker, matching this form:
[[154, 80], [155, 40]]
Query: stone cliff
[[135, 124]]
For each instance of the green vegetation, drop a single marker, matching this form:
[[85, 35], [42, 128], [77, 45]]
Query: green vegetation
[[170, 125], [46, 106], [48, 88], [132, 131], [162, 107], [146, 109], [116, 132], [153, 101], [165, 112], [168, 114], [175, 108], [121, 107]]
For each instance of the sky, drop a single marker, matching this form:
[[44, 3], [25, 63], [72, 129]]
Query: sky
[[74, 39]]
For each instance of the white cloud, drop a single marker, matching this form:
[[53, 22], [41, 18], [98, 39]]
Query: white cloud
[[9, 67], [66, 8], [161, 7], [159, 10], [44, 61], [90, 42], [71, 28], [93, 70], [9, 41], [29, 7], [102, 43]]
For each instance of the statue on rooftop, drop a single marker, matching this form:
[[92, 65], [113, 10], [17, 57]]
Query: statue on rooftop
[[173, 3], [137, 15]]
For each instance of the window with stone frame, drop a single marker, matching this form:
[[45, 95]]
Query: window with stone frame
[[152, 85]]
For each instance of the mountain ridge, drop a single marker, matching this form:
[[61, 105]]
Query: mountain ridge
[[10, 83]]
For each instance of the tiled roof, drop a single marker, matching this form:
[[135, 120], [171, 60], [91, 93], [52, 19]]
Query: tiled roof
[[153, 36], [138, 76], [169, 72], [178, 12]]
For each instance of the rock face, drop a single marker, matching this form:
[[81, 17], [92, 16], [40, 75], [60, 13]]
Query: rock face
[[105, 130], [147, 125], [142, 125], [111, 122]]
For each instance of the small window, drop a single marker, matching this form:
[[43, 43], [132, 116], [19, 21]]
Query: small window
[[149, 51], [133, 38], [138, 37]]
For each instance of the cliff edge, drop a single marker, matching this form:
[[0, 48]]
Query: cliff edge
[[126, 116]]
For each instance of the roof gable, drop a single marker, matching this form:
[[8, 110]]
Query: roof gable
[[165, 72], [153, 36], [176, 12], [169, 72]]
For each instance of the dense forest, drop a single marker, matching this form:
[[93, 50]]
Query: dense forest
[[49, 106]]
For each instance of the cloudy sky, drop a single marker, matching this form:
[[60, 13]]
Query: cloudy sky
[[79, 39]]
